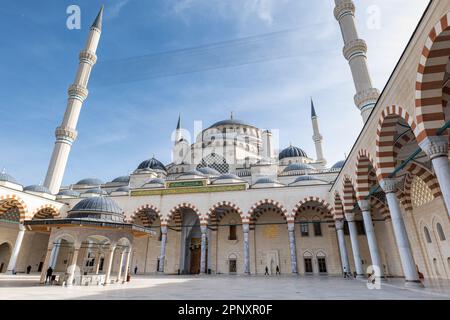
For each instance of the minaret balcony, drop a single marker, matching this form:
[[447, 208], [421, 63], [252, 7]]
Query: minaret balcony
[[78, 92], [343, 8], [354, 48], [88, 57]]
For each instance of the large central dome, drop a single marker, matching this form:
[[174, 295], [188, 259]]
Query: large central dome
[[230, 122]]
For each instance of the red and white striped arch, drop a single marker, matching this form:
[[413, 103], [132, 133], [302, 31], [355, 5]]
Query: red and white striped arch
[[139, 213], [302, 204], [221, 204], [349, 199], [253, 209], [46, 211], [10, 201], [386, 131], [431, 99], [364, 163], [175, 213]]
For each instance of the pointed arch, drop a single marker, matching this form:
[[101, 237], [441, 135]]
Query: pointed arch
[[302, 204], [430, 94], [338, 207], [140, 215], [10, 201], [349, 199], [46, 211], [175, 213], [253, 214], [386, 131], [364, 164], [214, 218]]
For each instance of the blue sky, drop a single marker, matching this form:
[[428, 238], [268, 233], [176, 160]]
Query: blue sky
[[124, 123]]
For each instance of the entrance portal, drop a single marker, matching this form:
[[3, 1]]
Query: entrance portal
[[5, 254]]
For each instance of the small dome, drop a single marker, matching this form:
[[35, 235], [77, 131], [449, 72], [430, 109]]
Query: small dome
[[151, 164], [122, 179], [228, 176], [338, 165], [298, 167], [209, 171], [37, 188], [96, 191], [7, 178], [68, 193], [90, 182], [98, 208], [123, 189], [156, 181], [265, 180], [291, 152], [307, 178]]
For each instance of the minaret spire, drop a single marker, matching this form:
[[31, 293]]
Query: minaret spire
[[354, 51], [317, 137], [66, 133]]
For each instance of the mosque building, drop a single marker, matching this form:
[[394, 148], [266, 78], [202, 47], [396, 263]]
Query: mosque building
[[229, 203]]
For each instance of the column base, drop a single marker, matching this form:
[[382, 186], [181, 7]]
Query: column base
[[417, 284]]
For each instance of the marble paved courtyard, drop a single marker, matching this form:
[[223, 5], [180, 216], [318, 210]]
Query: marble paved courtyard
[[222, 287]]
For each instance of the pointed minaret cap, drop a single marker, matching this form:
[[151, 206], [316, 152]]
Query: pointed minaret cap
[[313, 111], [98, 21], [179, 122]]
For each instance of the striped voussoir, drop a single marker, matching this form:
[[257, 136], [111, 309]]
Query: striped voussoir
[[338, 207], [146, 214], [254, 213], [363, 178], [402, 141], [215, 217], [431, 98], [375, 203], [426, 175], [323, 206], [386, 131], [175, 214], [8, 202], [46, 211], [404, 196], [349, 199]]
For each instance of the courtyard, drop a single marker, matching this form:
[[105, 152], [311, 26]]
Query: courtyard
[[223, 288]]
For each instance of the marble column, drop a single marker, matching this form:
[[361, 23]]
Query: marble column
[[292, 246], [437, 150], [246, 229], [97, 261], [350, 217], [401, 237], [342, 248], [16, 250], [55, 252], [73, 266], [46, 263], [109, 261], [371, 238], [162, 255], [127, 265], [119, 272], [204, 230]]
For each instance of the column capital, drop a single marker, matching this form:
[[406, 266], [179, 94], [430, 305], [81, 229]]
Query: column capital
[[291, 226], [349, 216], [435, 147], [389, 185], [339, 224], [163, 229], [204, 228], [21, 227], [364, 205], [245, 227]]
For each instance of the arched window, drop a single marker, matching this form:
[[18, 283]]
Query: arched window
[[307, 259], [427, 234], [440, 232], [322, 262]]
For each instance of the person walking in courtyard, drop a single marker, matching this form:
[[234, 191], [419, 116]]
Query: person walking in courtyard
[[267, 271], [49, 275], [28, 269], [135, 269], [278, 270]]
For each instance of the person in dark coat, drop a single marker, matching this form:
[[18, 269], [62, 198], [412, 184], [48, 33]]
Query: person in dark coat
[[135, 269], [49, 275], [267, 271], [278, 270], [28, 269]]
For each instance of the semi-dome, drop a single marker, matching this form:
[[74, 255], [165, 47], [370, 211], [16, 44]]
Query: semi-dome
[[68, 193], [292, 152], [209, 171], [96, 191], [338, 165], [307, 178], [155, 181], [122, 179], [298, 167], [7, 178], [90, 182], [37, 188], [153, 164], [97, 208]]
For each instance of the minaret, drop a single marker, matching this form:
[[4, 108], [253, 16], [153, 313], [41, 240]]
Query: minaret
[[178, 130], [354, 51], [317, 137], [267, 149], [66, 133]]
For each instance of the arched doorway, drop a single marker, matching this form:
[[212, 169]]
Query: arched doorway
[[5, 255]]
